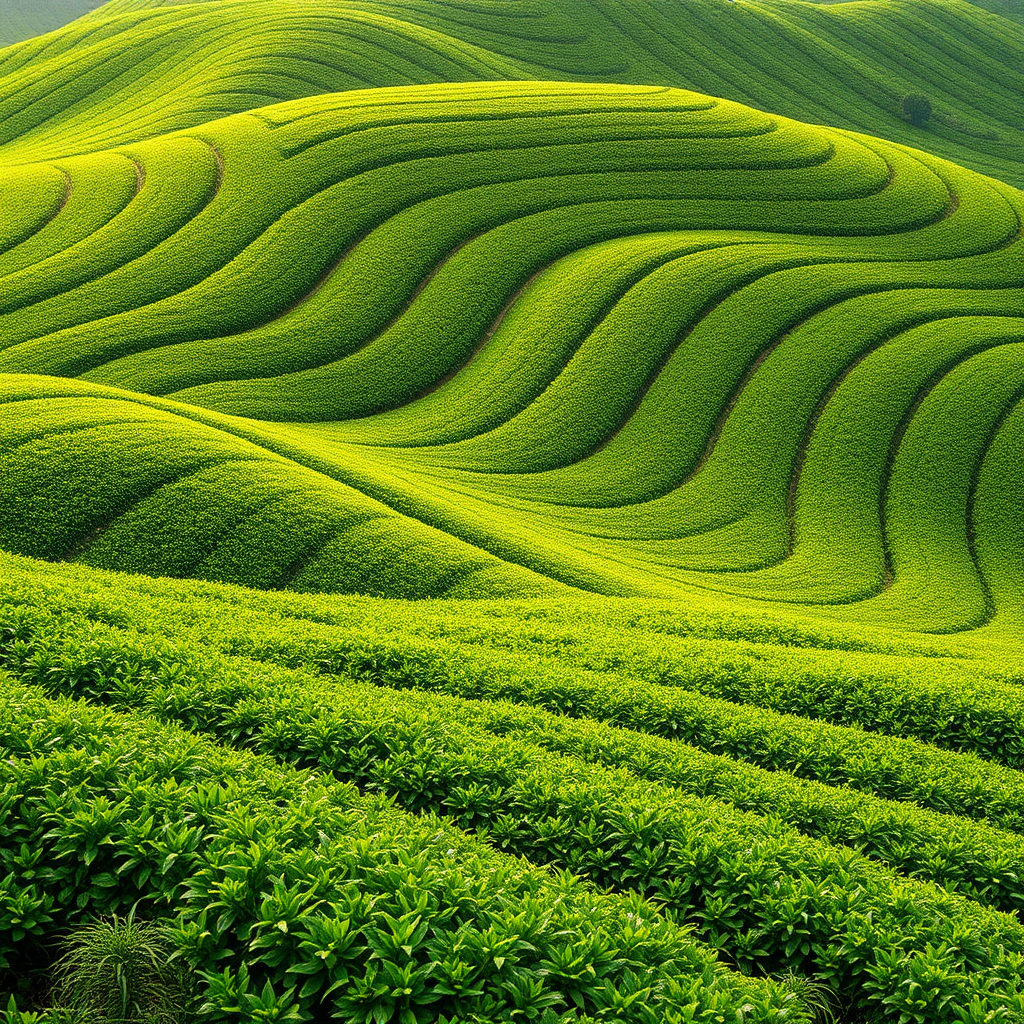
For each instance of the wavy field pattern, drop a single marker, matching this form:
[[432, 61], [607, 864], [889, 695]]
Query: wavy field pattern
[[504, 520], [492, 339], [138, 68]]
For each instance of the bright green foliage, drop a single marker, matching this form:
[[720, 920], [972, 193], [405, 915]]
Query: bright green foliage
[[705, 423], [137, 67], [425, 342]]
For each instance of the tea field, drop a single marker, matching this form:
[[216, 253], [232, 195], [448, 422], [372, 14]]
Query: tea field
[[515, 512]]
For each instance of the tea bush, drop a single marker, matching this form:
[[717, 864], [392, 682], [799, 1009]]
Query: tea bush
[[305, 896]]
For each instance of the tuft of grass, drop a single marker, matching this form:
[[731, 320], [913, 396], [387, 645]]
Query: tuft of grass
[[120, 969], [818, 999]]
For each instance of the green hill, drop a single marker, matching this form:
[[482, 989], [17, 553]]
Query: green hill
[[22, 19], [505, 520], [138, 67], [463, 340], [1012, 9]]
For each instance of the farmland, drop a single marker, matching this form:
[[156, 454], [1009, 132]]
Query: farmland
[[513, 511]]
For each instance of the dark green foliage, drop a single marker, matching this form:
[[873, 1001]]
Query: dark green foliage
[[917, 109], [290, 888], [530, 784]]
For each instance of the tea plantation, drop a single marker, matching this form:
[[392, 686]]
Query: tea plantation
[[505, 520]]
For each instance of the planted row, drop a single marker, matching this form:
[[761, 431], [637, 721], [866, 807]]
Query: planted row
[[770, 897], [891, 767], [539, 657], [179, 680], [296, 897]]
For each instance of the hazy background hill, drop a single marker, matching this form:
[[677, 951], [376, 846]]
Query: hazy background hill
[[141, 67], [22, 19]]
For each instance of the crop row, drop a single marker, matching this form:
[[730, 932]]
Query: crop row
[[891, 767], [294, 896], [614, 677], [35, 196], [845, 483], [114, 666], [929, 493], [834, 66], [411, 339], [117, 493], [106, 242], [100, 187], [772, 899], [940, 709], [230, 224], [299, 55], [472, 170], [997, 518], [101, 463]]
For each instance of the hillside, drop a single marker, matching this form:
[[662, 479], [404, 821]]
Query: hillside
[[468, 339], [511, 514], [137, 68], [22, 19], [851, 796]]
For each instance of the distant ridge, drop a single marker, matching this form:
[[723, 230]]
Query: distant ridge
[[138, 68], [22, 19]]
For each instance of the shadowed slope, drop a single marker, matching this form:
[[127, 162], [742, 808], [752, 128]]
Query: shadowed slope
[[22, 19], [629, 339]]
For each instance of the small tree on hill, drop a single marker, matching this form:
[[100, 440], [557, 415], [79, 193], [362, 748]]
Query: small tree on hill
[[917, 109]]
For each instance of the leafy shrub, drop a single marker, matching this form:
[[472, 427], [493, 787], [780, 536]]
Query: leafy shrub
[[292, 889], [917, 109]]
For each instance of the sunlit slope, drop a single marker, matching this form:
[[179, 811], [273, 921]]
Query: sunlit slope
[[619, 338], [137, 68]]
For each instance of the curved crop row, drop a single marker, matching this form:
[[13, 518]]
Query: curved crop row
[[632, 340], [836, 64], [483, 767], [115, 666]]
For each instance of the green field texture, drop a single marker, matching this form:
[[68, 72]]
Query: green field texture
[[684, 752], [136, 68], [518, 339], [514, 512]]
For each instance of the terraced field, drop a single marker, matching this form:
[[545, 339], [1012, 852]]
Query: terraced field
[[136, 68], [488, 339], [574, 527]]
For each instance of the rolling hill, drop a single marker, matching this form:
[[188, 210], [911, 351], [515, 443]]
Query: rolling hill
[[512, 511], [628, 339], [137, 68], [21, 19]]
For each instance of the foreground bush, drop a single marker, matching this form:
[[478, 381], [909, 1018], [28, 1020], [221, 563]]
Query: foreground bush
[[296, 898]]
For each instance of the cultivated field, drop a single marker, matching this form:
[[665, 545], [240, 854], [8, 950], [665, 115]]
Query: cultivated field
[[491, 533]]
